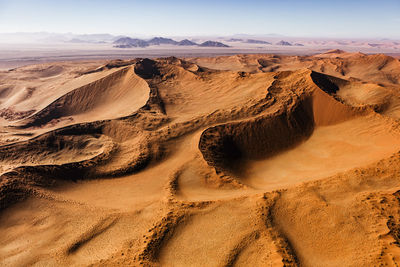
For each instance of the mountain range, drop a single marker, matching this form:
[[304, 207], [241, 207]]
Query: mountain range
[[127, 42]]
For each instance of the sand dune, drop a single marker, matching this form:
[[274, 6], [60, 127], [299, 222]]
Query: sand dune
[[377, 68], [96, 100], [245, 160]]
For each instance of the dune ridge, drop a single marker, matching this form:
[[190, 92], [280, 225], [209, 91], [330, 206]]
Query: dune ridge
[[121, 86]]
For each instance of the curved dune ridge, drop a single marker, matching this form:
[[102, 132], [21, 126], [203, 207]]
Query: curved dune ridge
[[266, 135], [96, 100], [247, 160]]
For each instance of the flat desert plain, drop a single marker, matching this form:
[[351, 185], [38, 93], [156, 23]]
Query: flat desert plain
[[240, 160]]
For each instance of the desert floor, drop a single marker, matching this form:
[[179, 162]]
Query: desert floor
[[246, 160]]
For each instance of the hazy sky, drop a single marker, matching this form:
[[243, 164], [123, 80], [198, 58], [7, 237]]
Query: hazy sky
[[322, 18]]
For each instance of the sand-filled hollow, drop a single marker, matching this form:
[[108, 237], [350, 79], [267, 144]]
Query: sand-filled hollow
[[329, 150]]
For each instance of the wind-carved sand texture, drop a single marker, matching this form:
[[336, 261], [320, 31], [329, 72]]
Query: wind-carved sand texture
[[247, 160]]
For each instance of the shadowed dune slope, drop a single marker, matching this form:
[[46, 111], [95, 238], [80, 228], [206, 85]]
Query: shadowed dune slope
[[269, 134]]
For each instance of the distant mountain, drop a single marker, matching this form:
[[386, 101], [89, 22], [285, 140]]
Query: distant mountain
[[161, 41], [235, 40], [95, 38], [80, 41], [374, 45], [253, 36], [89, 38], [335, 51], [127, 42], [186, 42], [253, 41], [76, 40], [298, 44], [213, 44], [284, 43]]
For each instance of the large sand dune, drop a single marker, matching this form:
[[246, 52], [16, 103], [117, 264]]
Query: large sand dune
[[246, 160]]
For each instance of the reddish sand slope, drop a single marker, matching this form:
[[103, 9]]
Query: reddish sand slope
[[247, 160]]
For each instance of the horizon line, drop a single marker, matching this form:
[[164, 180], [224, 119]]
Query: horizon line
[[263, 35]]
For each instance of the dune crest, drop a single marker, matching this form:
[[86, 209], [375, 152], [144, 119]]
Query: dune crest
[[96, 100]]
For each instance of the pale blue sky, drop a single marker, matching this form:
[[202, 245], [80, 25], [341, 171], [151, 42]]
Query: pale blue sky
[[307, 18]]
